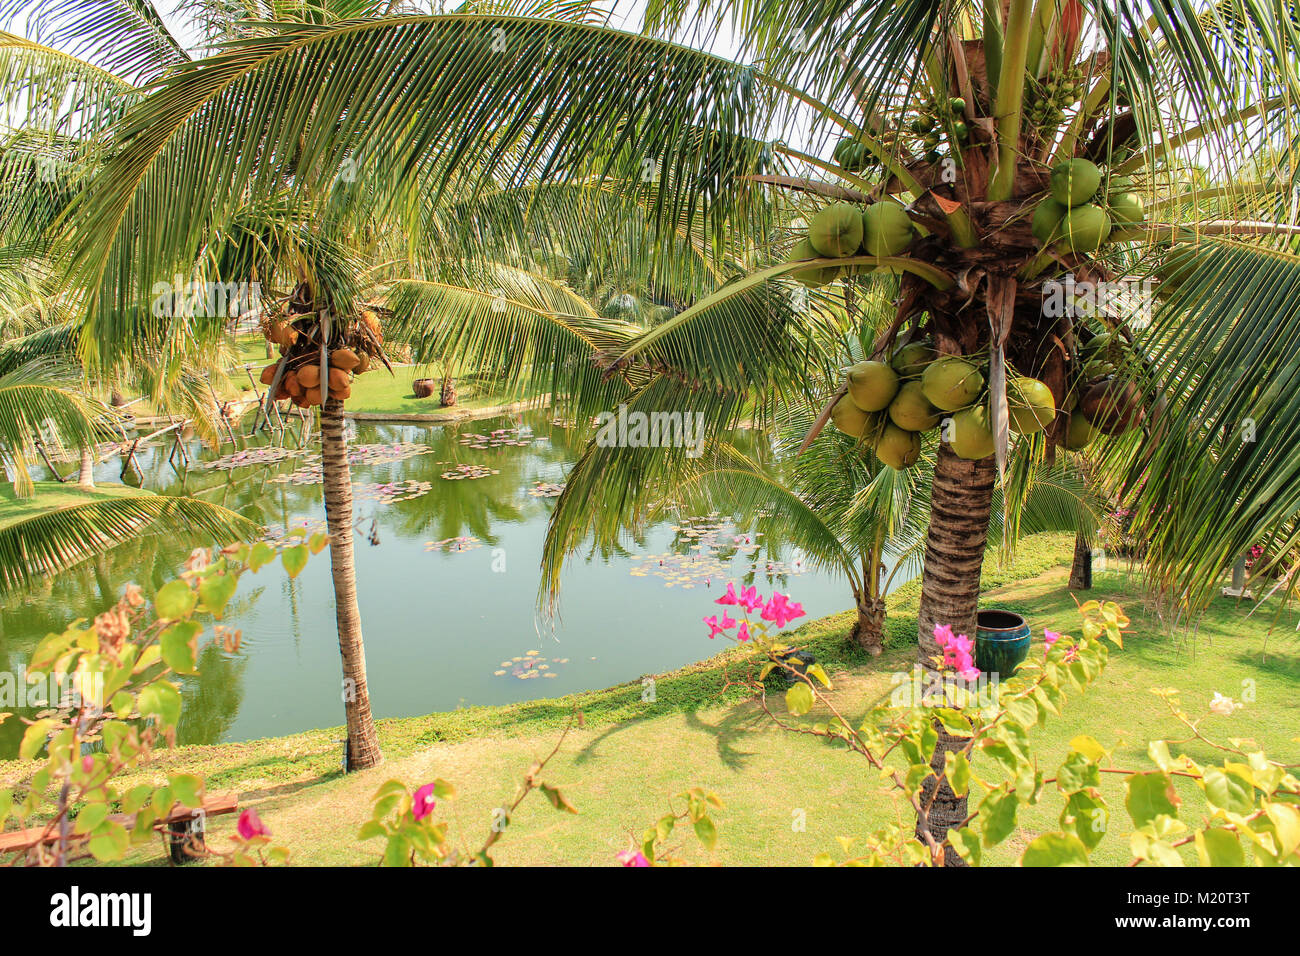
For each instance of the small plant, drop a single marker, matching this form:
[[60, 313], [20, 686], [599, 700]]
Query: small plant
[[120, 698]]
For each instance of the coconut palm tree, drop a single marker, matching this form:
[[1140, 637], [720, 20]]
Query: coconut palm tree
[[963, 110]]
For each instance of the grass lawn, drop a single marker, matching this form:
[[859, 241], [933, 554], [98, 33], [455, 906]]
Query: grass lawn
[[53, 496], [631, 756]]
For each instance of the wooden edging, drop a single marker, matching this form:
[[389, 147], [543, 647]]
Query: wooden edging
[[212, 806]]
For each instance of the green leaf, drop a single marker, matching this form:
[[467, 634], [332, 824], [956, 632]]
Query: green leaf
[[1088, 747], [294, 559], [110, 842], [966, 843], [1229, 790], [317, 542], [34, 738], [261, 555], [162, 700], [174, 601], [1149, 795], [1055, 849], [1086, 816], [997, 814], [370, 830], [179, 643], [188, 789], [1219, 847], [957, 770], [216, 590], [706, 832], [799, 699], [815, 670], [90, 817]]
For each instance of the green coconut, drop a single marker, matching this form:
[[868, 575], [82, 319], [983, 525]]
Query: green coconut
[[951, 383], [1081, 432], [850, 154], [969, 434], [886, 229], [911, 410], [1046, 223], [898, 448], [872, 385], [1126, 208], [1085, 228], [1074, 181], [850, 419], [837, 230], [1030, 406], [812, 278], [910, 361]]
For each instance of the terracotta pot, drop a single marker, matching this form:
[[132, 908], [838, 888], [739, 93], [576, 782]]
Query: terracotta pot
[[423, 387]]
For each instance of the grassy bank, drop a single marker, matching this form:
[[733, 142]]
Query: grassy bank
[[631, 755], [55, 496]]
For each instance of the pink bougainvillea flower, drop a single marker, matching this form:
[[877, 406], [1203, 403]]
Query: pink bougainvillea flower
[[717, 627], [1051, 637], [942, 634], [750, 599], [424, 803], [250, 825], [780, 611], [730, 596], [969, 673], [742, 635], [632, 858]]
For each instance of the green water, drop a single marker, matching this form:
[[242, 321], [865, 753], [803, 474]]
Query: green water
[[439, 624]]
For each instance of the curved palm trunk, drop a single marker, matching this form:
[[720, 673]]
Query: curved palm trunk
[[363, 741], [950, 587], [869, 630]]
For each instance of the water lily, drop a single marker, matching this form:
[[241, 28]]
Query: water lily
[[423, 803], [250, 825]]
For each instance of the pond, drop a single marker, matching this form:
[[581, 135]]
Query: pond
[[451, 520]]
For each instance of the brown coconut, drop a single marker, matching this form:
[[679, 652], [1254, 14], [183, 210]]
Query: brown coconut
[[312, 396], [292, 384], [345, 359], [342, 394], [268, 373], [339, 378], [309, 376], [1112, 406]]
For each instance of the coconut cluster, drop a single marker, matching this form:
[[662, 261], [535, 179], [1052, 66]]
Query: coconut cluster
[[299, 375], [1075, 217], [889, 405], [843, 229]]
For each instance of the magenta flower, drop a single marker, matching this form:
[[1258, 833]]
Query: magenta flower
[[780, 610], [424, 803], [750, 599], [632, 858], [942, 634], [250, 825], [1051, 637], [717, 627], [730, 596], [742, 635], [957, 652]]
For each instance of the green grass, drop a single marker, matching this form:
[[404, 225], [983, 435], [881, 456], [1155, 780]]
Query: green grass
[[631, 756], [53, 496]]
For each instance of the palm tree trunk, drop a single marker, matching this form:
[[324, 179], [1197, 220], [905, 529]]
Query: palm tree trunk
[[950, 587], [869, 630], [86, 475], [363, 740], [1081, 569]]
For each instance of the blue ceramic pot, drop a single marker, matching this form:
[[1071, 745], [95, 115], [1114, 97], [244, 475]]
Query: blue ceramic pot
[[1001, 642]]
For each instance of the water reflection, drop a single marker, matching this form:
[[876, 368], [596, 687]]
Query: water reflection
[[441, 625]]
